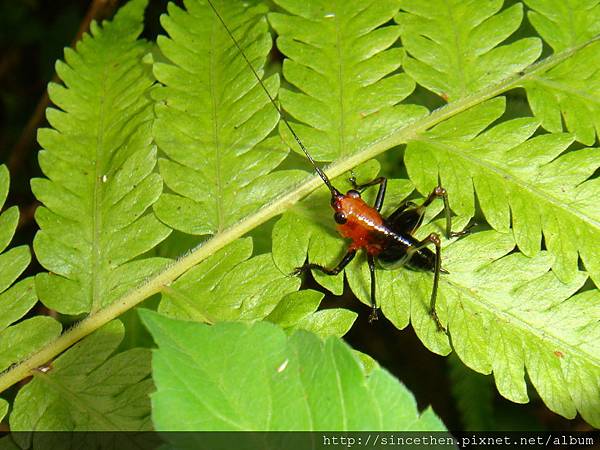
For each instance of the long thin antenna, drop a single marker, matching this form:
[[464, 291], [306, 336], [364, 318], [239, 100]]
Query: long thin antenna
[[319, 171]]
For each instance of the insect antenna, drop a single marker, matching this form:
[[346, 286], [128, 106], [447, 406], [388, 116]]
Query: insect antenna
[[324, 177]]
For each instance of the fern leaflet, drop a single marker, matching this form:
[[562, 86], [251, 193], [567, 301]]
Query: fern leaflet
[[17, 340], [211, 118], [88, 389], [99, 160]]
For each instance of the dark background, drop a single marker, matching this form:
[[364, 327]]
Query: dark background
[[33, 34]]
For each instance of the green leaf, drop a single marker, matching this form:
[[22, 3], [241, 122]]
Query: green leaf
[[510, 170], [573, 88], [17, 340], [99, 160], [4, 184], [213, 117], [3, 408], [88, 389], [328, 322], [269, 381], [343, 65], [228, 286], [23, 338], [569, 93], [508, 313], [565, 23], [453, 44], [294, 307], [562, 365]]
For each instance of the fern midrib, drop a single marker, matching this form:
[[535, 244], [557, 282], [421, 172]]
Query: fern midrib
[[522, 184], [177, 268], [545, 335], [462, 79], [97, 220]]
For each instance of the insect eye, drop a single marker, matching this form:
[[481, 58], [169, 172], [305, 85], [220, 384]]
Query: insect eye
[[340, 218], [353, 193]]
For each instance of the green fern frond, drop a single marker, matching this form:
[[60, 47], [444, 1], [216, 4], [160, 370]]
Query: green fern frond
[[517, 176], [489, 300], [99, 160], [17, 340], [88, 389], [232, 286], [565, 23], [507, 313], [453, 44], [342, 62], [212, 117], [571, 91]]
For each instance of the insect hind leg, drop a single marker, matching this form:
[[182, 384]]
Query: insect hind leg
[[408, 219], [434, 239]]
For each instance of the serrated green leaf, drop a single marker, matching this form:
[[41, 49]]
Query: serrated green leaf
[[565, 23], [12, 264], [296, 311], [511, 314], [453, 45], [295, 306], [328, 322], [510, 169], [99, 159], [569, 93], [88, 389], [4, 184], [8, 225], [218, 170], [23, 338], [343, 65], [572, 89], [17, 341], [268, 381], [228, 286]]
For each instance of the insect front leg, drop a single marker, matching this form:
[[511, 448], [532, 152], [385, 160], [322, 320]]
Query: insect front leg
[[334, 271], [434, 239], [381, 181]]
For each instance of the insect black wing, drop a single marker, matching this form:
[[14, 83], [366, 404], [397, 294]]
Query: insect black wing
[[406, 219]]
